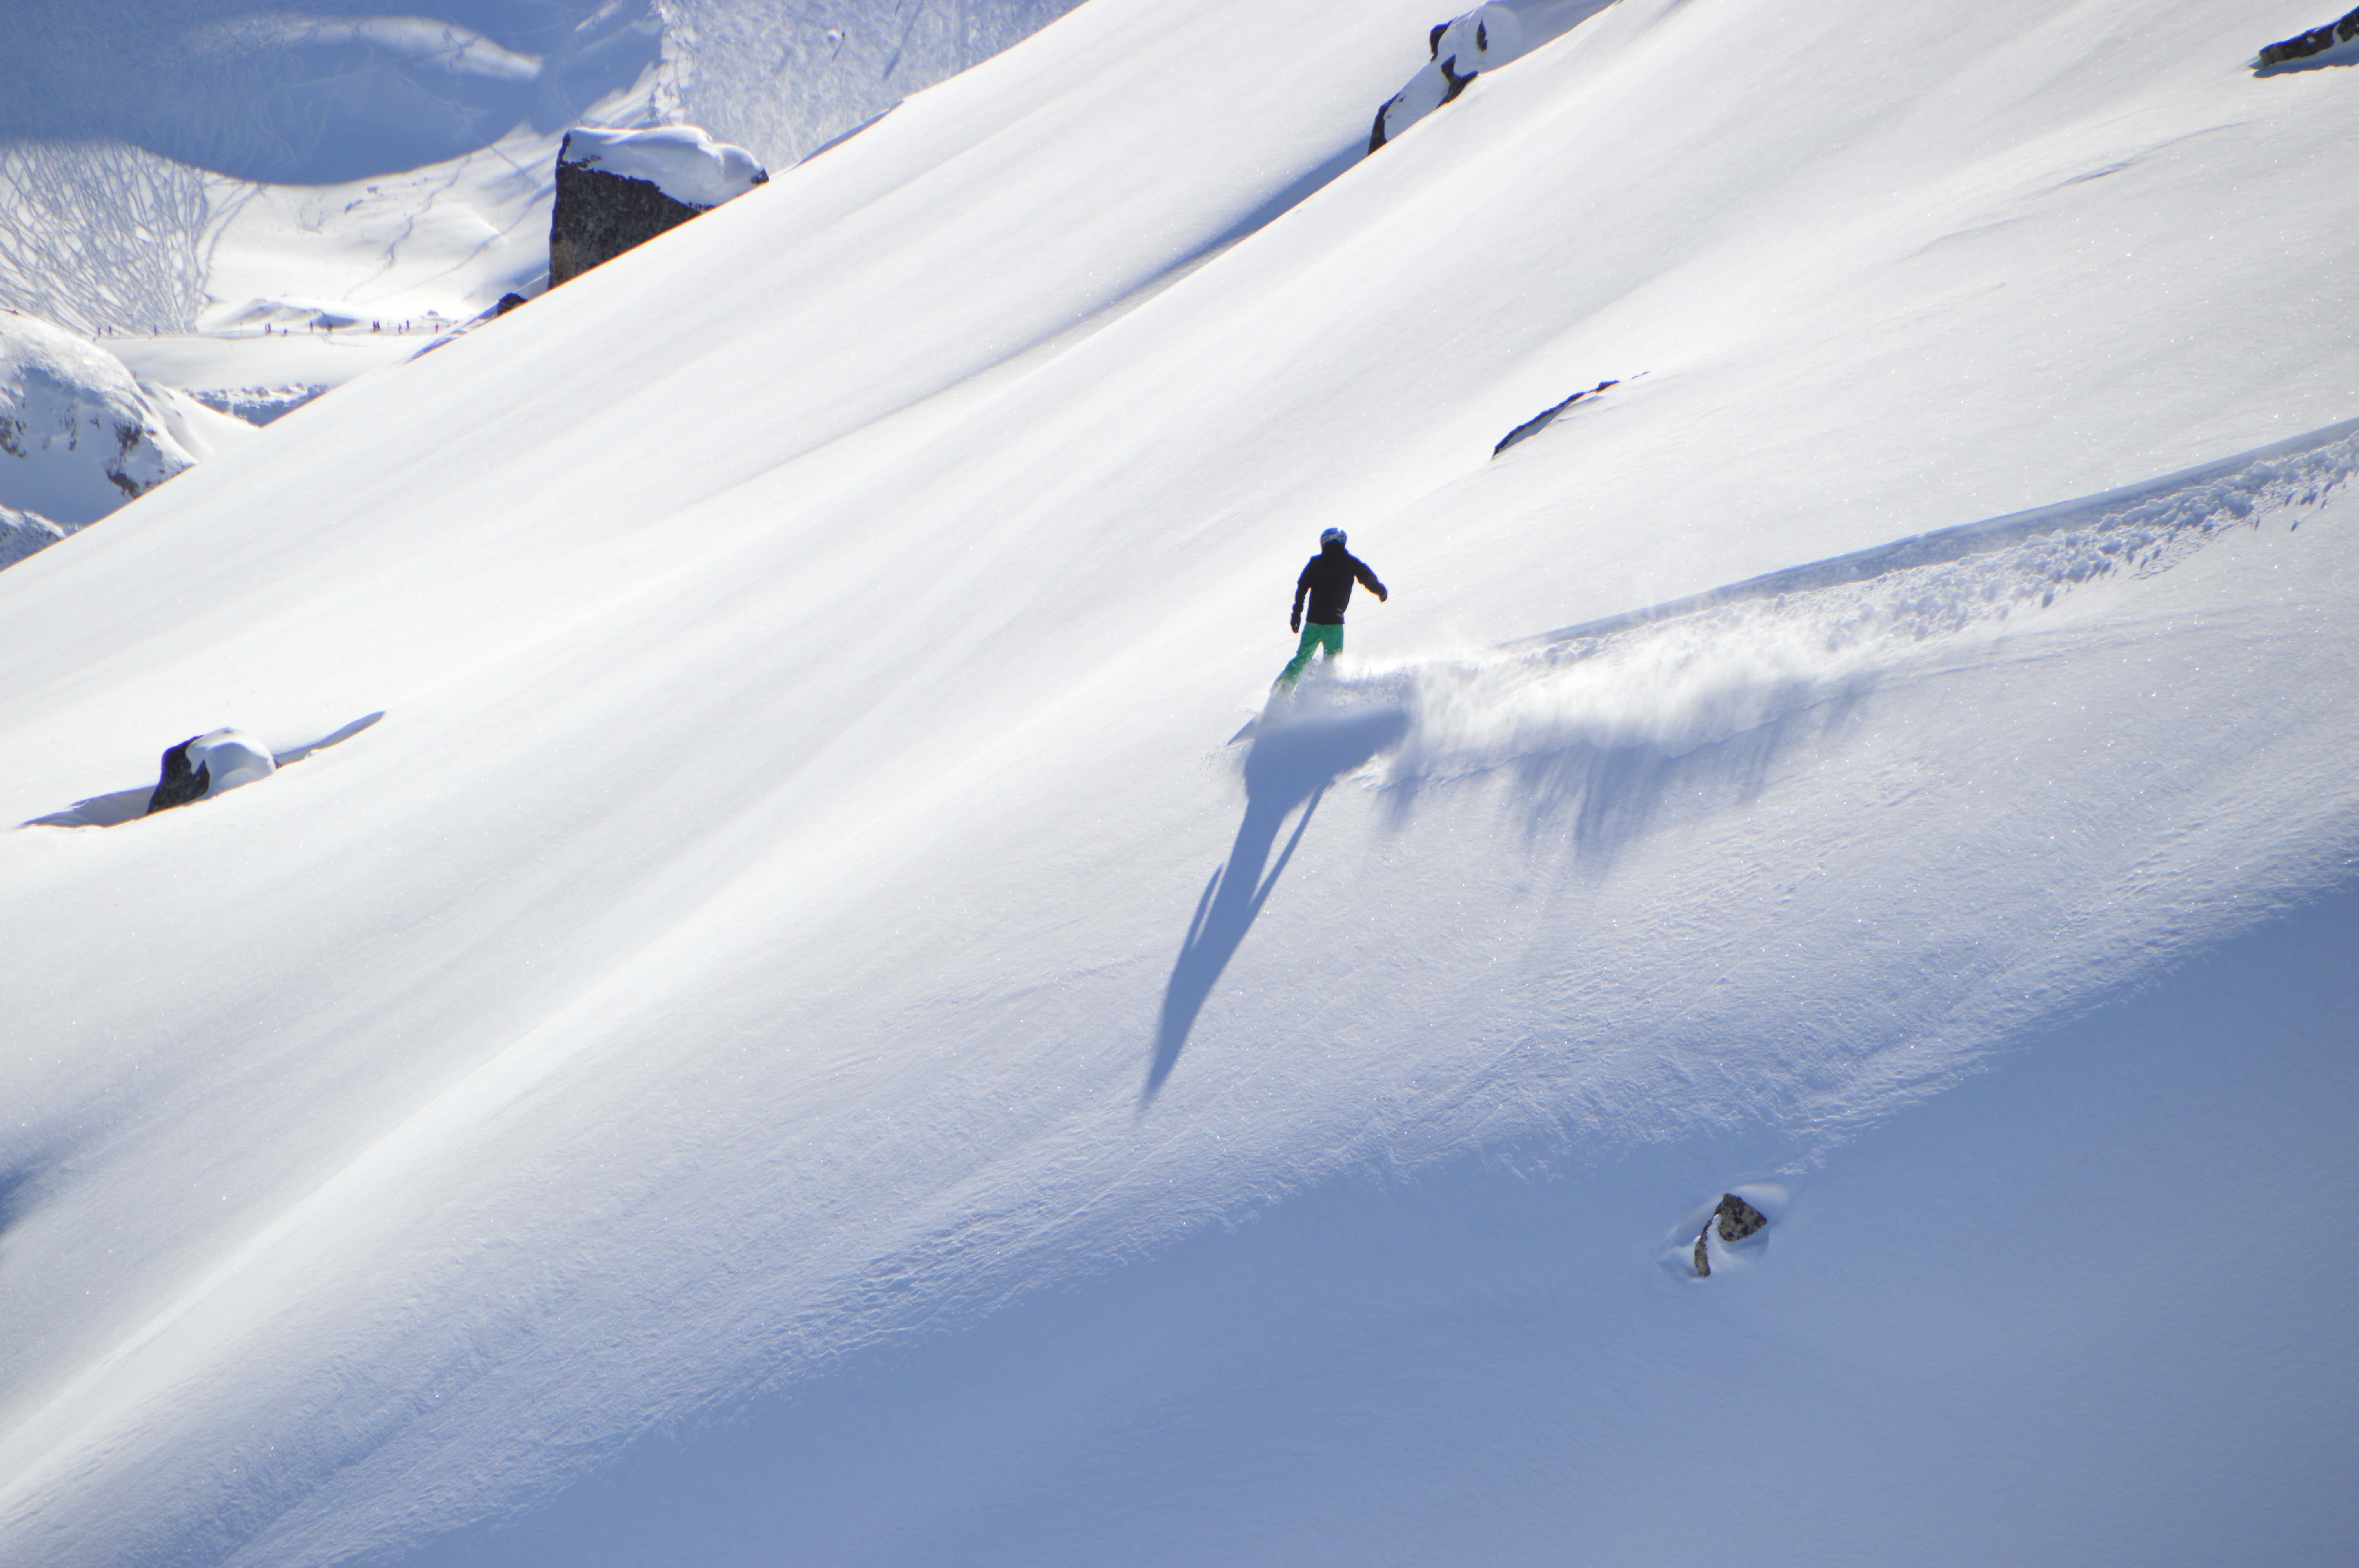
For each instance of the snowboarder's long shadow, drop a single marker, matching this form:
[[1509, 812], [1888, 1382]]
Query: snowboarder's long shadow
[[1288, 767]]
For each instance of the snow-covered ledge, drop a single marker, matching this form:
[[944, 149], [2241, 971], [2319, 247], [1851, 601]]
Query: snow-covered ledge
[[617, 190], [81, 434]]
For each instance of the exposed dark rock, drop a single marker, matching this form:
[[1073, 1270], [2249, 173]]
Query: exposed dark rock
[[1457, 82], [1539, 422], [508, 303], [600, 215], [1459, 50], [2317, 40], [616, 190], [1735, 1219], [1738, 1219], [180, 784]]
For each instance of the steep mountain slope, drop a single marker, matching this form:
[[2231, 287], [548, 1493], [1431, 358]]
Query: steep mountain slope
[[80, 434], [152, 155], [799, 835]]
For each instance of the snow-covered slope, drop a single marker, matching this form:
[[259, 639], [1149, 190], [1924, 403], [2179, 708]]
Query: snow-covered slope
[[413, 252], [732, 976], [787, 76], [165, 168], [80, 434], [332, 92]]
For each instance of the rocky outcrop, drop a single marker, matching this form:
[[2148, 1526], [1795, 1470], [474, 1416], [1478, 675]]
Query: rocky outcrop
[[2317, 40], [1736, 1220], [618, 189], [183, 781], [1461, 48], [1540, 421], [599, 216], [209, 764]]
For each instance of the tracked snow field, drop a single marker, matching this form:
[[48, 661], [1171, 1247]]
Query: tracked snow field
[[795, 1039], [1698, 672]]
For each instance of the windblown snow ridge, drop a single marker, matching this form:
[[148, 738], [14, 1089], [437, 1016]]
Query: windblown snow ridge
[[1756, 659], [2119, 526]]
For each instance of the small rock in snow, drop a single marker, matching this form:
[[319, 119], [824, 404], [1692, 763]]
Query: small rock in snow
[[1736, 1219], [209, 764]]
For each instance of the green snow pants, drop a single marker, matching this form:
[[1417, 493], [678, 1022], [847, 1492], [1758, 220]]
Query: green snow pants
[[1314, 637]]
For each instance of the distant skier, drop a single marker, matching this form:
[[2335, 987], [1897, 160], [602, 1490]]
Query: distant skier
[[1327, 581]]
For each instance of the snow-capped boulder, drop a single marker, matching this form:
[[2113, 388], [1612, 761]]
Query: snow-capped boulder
[[617, 190], [1462, 48], [209, 764], [80, 434], [2317, 40]]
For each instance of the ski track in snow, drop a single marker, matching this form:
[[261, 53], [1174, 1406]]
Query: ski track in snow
[[737, 962], [102, 235], [1700, 671]]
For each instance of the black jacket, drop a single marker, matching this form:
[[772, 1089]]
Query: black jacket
[[1328, 581]]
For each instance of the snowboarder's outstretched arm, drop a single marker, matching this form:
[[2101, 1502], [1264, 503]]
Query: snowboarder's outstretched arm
[[1367, 580], [1301, 591]]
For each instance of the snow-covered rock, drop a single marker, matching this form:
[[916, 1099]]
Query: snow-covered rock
[[80, 434], [618, 189], [213, 764], [1462, 48], [682, 161], [2316, 41], [727, 987]]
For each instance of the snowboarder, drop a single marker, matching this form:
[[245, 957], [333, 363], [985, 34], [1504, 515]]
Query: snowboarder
[[1327, 580]]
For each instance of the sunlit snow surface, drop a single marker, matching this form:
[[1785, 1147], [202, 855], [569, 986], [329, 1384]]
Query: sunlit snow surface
[[79, 434], [154, 153], [680, 160], [721, 998]]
